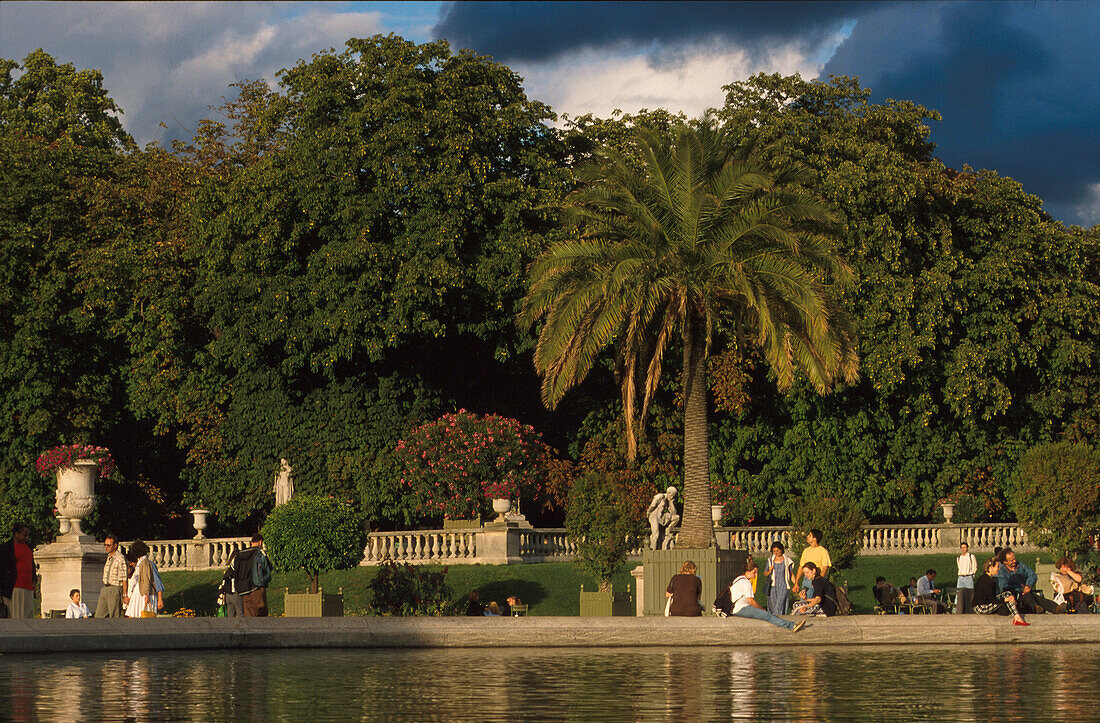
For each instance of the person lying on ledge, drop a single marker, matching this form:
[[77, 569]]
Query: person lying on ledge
[[988, 600], [1019, 579]]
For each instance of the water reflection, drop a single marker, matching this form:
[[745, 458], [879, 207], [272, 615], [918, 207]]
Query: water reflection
[[911, 683]]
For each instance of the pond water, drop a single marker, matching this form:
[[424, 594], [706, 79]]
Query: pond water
[[903, 683]]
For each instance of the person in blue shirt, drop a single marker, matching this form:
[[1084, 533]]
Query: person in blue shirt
[[926, 592], [1019, 579]]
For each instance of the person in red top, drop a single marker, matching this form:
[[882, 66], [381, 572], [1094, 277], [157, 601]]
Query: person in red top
[[17, 572]]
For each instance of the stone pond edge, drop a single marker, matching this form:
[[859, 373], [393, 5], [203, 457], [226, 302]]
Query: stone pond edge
[[163, 634]]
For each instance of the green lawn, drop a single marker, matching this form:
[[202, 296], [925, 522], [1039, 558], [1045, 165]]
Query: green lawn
[[549, 588]]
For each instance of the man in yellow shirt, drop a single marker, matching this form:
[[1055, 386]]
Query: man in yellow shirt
[[816, 554]]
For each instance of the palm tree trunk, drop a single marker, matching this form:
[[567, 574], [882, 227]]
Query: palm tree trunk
[[696, 528]]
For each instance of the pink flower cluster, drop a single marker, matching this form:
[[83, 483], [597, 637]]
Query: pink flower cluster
[[67, 454], [454, 464]]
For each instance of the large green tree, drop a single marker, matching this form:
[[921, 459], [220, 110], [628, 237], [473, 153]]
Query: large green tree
[[353, 254], [60, 376], [973, 308], [700, 236]]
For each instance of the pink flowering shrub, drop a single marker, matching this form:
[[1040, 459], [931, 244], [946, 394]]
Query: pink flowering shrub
[[64, 456], [457, 463]]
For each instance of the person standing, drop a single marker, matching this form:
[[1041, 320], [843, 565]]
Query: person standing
[[141, 601], [17, 572], [244, 568], [968, 568], [781, 572], [114, 581], [816, 554]]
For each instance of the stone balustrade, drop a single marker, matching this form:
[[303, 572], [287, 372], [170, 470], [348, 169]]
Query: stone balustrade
[[419, 546], [500, 544], [197, 554]]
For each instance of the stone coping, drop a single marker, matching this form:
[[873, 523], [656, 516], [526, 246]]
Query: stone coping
[[68, 636]]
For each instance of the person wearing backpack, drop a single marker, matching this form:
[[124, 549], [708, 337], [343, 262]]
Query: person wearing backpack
[[245, 582], [745, 605]]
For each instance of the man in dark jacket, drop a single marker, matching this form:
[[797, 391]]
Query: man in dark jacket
[[244, 596]]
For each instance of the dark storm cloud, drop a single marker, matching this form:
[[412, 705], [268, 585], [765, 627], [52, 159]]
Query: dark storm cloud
[[538, 31], [1016, 84]]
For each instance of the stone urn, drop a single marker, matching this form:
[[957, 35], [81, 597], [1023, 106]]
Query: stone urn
[[200, 522], [948, 511], [501, 506], [716, 513], [75, 495]]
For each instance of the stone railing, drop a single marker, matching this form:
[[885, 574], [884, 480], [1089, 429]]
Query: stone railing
[[201, 554], [510, 544], [421, 546]]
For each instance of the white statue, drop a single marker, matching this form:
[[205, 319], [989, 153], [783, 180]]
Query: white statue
[[284, 483], [662, 518]]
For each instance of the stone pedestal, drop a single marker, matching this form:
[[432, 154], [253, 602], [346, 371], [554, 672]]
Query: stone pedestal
[[73, 561], [498, 543], [950, 538], [638, 574], [715, 567]]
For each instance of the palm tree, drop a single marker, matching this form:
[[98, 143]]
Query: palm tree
[[681, 236]]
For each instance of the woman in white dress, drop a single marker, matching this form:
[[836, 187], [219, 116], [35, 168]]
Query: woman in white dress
[[141, 591]]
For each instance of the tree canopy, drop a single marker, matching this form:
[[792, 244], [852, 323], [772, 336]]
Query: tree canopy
[[339, 256]]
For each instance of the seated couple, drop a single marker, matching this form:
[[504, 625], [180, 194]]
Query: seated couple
[[738, 600]]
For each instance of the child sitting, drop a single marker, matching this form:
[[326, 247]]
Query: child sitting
[[76, 608]]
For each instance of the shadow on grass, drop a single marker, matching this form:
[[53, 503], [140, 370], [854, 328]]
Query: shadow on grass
[[529, 592]]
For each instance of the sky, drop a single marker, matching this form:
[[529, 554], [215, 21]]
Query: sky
[[1016, 82]]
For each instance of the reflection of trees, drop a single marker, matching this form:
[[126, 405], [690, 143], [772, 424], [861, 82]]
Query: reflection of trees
[[799, 683]]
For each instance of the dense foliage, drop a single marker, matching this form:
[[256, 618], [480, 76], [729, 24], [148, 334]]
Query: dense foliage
[[405, 590], [341, 257], [839, 518], [600, 518], [457, 464], [316, 534], [1058, 497]]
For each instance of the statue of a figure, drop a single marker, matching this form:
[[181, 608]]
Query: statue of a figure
[[662, 518], [284, 483]]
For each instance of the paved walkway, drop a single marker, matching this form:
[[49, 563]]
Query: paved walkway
[[57, 636]]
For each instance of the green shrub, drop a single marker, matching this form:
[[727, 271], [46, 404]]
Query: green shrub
[[1057, 497], [840, 520], [598, 515], [316, 534], [405, 590]]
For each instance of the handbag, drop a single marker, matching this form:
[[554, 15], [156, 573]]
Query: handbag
[[668, 606]]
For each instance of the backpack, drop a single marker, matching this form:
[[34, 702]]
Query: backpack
[[723, 604], [840, 599], [261, 570], [241, 567]]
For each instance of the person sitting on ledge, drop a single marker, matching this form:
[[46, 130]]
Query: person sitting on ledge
[[745, 605], [76, 609], [926, 592], [1019, 579], [493, 611], [822, 600], [474, 609], [1070, 587], [989, 601]]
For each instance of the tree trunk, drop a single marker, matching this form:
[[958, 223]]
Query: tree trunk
[[314, 583], [696, 527]]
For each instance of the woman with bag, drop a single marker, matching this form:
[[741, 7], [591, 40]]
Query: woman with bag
[[745, 605], [780, 573]]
